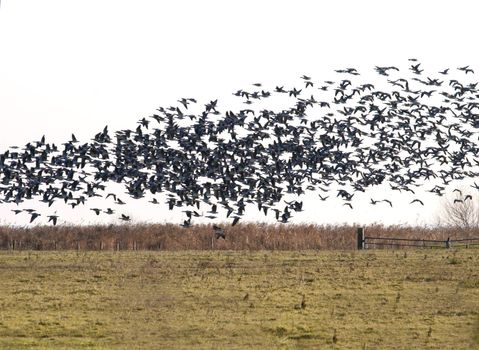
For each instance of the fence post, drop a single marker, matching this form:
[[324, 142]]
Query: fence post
[[360, 235]]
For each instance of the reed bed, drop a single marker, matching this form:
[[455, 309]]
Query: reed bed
[[247, 236]]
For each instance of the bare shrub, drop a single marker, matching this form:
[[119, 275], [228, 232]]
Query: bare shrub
[[460, 210]]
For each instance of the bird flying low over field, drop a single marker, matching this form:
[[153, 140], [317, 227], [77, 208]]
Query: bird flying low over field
[[53, 219]]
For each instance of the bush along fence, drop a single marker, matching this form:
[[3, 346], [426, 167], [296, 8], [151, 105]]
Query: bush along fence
[[371, 242]]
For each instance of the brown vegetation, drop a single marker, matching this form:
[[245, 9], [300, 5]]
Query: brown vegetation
[[249, 236]]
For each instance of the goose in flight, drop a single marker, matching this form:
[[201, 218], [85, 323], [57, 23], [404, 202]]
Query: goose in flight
[[219, 232], [53, 219], [125, 217]]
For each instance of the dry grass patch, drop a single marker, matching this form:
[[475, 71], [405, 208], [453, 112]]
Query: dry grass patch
[[240, 300]]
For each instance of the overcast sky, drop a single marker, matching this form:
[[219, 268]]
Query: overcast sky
[[76, 66]]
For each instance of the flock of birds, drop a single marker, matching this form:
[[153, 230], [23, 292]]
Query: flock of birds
[[336, 137]]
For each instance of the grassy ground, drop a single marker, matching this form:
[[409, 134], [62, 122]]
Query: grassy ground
[[424, 299]]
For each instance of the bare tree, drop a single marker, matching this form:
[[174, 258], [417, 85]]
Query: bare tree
[[460, 210]]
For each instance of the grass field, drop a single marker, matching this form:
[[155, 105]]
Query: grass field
[[389, 299]]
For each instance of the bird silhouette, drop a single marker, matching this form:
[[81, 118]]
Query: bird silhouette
[[53, 219], [125, 217], [219, 232]]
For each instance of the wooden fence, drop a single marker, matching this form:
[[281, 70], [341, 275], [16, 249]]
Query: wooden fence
[[369, 242]]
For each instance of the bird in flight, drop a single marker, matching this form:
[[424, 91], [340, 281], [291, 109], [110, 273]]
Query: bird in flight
[[388, 201], [125, 217], [34, 216], [53, 219], [466, 69], [219, 232]]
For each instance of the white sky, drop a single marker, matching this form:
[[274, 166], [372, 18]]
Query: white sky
[[75, 66]]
